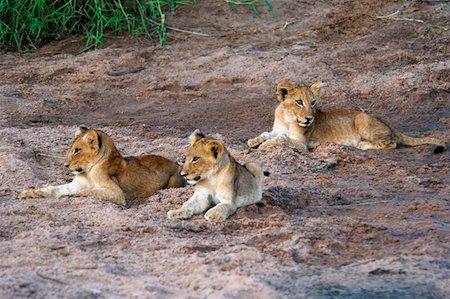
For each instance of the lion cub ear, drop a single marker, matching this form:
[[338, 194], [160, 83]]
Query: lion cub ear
[[283, 89], [80, 130], [217, 148], [316, 88], [195, 136], [93, 139]]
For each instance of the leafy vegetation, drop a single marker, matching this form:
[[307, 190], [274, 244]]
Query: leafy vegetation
[[27, 24]]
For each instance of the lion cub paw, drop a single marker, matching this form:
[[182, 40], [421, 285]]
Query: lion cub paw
[[215, 215], [252, 143], [179, 214], [31, 194], [272, 144]]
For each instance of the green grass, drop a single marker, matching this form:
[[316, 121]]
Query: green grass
[[27, 24], [251, 3]]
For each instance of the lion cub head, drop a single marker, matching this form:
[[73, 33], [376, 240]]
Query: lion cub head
[[84, 150], [299, 102], [202, 158]]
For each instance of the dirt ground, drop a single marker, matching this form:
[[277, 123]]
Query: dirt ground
[[335, 223]]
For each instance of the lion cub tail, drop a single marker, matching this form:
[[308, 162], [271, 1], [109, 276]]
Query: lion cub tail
[[412, 141]]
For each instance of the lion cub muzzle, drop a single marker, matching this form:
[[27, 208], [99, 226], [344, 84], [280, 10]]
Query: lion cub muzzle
[[75, 169], [306, 122], [190, 180]]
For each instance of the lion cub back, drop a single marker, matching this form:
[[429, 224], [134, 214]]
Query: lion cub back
[[146, 175]]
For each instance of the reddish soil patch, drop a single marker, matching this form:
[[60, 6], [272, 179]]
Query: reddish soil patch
[[337, 222]]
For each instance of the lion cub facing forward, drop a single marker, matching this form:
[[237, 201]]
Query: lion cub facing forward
[[218, 180], [301, 126], [101, 171]]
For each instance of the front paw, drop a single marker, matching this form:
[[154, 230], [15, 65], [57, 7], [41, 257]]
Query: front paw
[[253, 143], [298, 147], [179, 214], [272, 144], [31, 193], [216, 214]]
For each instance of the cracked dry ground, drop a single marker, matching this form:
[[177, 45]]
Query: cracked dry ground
[[336, 223]]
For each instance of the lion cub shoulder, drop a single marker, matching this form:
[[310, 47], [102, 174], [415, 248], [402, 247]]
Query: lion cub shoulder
[[102, 172], [219, 180]]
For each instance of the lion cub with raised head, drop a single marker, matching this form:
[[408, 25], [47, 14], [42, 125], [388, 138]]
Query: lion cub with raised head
[[300, 125], [219, 180], [101, 171]]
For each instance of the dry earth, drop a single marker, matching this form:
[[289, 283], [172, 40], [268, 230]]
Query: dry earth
[[336, 223]]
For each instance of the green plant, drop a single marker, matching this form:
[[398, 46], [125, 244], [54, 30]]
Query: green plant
[[252, 4], [27, 24]]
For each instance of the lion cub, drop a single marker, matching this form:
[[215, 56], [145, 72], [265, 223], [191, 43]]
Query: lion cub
[[218, 180], [301, 126], [101, 171]]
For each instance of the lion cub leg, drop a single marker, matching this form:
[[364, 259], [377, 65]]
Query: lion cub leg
[[78, 184], [105, 188], [226, 200], [198, 203], [374, 133], [297, 140], [115, 196]]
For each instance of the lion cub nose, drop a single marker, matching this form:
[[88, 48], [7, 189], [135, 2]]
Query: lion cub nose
[[183, 173], [309, 119], [66, 164]]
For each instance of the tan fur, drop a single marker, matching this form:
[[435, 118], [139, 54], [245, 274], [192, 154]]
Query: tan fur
[[219, 180], [300, 125], [101, 171]]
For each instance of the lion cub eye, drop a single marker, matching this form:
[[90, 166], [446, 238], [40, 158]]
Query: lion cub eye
[[76, 150], [195, 160], [299, 103]]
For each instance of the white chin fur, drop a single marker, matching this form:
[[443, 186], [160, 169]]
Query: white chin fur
[[192, 182], [302, 125]]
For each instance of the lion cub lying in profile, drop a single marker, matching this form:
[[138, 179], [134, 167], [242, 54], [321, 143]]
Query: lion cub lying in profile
[[301, 126], [218, 180], [101, 171]]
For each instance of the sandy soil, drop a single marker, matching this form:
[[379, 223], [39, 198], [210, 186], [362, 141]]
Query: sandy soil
[[336, 223]]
